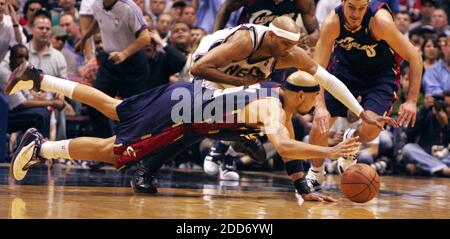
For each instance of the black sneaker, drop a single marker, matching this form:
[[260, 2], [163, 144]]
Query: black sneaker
[[24, 77], [142, 181], [253, 147], [27, 154]]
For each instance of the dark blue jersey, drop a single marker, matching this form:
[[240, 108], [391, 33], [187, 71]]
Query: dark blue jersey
[[357, 51], [264, 11], [164, 107]]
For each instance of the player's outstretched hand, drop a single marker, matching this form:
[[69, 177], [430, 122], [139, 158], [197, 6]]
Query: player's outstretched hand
[[322, 119], [377, 120], [407, 114], [317, 197], [345, 148]]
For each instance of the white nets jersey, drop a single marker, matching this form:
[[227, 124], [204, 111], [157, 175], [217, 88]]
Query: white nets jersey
[[240, 68]]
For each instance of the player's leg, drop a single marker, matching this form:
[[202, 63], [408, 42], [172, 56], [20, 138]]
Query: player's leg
[[34, 149], [28, 77], [315, 174], [144, 180], [214, 157], [377, 100], [367, 132]]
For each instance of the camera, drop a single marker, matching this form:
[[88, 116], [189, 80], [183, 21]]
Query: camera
[[439, 103]]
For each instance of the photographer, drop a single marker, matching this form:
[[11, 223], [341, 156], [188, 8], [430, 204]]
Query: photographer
[[436, 79], [429, 139]]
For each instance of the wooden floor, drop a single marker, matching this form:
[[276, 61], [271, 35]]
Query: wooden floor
[[79, 193]]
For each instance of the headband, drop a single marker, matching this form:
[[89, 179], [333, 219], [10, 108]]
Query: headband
[[283, 33], [293, 87]]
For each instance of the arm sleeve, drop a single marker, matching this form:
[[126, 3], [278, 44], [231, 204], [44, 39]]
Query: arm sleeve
[[338, 90]]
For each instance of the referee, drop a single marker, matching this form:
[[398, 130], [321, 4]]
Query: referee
[[123, 64]]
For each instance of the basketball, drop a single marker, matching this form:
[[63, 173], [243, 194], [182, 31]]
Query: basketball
[[360, 183]]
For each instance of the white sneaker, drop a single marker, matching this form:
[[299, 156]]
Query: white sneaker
[[211, 166], [345, 162], [314, 180], [227, 171], [228, 175]]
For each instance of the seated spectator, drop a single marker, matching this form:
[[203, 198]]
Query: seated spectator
[[148, 20], [58, 40], [436, 79], [431, 52], [176, 9], [403, 22], [429, 145], [67, 7], [180, 38], [197, 35], [439, 20], [163, 26], [72, 29], [163, 62], [25, 112], [426, 12], [416, 39], [157, 7], [188, 16], [30, 7]]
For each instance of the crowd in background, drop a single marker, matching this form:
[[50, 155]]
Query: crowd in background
[[56, 36]]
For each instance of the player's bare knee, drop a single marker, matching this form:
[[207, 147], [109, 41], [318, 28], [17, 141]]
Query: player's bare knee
[[368, 134]]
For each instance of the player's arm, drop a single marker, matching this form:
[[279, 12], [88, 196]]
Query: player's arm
[[272, 116], [299, 59], [307, 9], [141, 41], [383, 28], [85, 22], [324, 47], [224, 13], [93, 28], [237, 47]]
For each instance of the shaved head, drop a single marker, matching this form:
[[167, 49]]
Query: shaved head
[[302, 79], [286, 23]]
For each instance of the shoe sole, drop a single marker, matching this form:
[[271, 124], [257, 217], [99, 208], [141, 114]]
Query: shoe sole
[[210, 164], [232, 178], [14, 85], [22, 159], [142, 192]]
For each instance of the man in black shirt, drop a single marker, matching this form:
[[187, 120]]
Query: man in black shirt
[[163, 63]]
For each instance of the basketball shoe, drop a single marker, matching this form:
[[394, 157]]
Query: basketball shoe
[[142, 180], [345, 162], [24, 77], [27, 154]]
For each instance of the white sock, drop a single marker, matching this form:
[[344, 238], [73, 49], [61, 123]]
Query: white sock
[[319, 169], [58, 85], [55, 149]]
